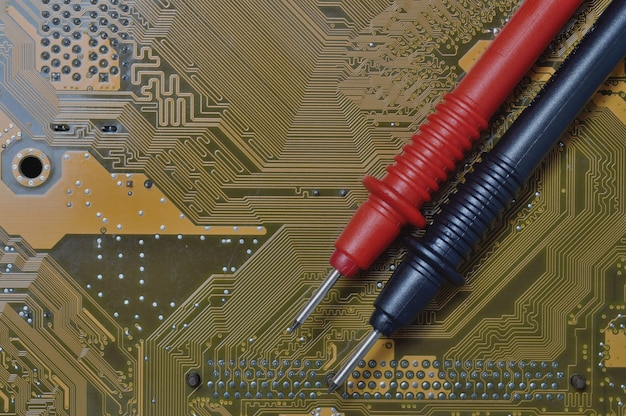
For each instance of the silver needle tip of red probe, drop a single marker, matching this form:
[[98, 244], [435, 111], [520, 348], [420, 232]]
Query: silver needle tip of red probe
[[315, 300], [358, 355]]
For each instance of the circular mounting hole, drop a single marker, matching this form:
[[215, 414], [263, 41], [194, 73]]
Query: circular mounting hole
[[194, 380], [578, 381], [31, 167]]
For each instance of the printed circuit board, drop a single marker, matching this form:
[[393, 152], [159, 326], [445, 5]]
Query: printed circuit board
[[173, 177]]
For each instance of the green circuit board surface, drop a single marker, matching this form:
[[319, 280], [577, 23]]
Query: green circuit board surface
[[174, 174]]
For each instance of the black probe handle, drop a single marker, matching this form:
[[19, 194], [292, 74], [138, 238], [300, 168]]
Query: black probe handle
[[434, 259]]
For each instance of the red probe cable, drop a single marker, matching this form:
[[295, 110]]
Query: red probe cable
[[443, 140]]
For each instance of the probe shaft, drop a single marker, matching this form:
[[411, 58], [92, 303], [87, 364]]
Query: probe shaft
[[443, 139], [317, 297], [463, 221], [357, 356]]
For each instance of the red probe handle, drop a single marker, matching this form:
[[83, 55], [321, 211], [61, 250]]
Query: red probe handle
[[447, 134]]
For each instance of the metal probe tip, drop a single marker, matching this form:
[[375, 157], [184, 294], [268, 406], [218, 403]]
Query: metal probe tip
[[315, 300], [358, 355]]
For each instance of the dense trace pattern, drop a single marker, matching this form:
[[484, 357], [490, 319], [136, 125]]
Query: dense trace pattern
[[174, 174]]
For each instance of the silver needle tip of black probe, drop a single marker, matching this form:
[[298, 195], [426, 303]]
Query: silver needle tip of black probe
[[358, 355]]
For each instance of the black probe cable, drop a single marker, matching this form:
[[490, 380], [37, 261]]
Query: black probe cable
[[434, 259]]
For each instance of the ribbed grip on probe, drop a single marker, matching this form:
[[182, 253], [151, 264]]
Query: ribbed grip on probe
[[434, 259], [417, 173], [426, 161], [485, 194]]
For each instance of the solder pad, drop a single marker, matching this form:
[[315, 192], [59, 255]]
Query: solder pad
[[174, 174]]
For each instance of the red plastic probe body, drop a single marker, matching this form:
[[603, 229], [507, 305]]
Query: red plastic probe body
[[448, 133]]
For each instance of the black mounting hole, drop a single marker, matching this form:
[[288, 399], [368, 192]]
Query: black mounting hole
[[194, 380], [31, 167], [578, 381]]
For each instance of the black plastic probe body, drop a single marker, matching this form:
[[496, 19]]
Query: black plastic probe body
[[434, 259]]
